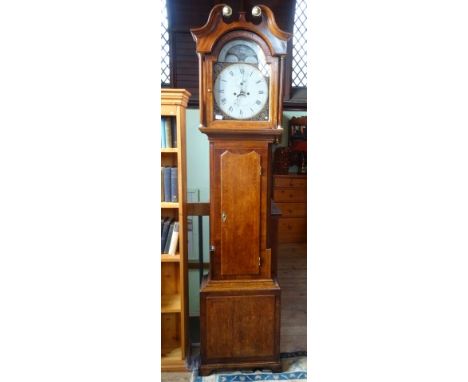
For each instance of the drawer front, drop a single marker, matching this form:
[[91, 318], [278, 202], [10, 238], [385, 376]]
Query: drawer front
[[289, 195], [292, 230], [290, 182], [292, 210]]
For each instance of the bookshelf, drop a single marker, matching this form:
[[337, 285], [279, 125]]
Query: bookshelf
[[174, 300]]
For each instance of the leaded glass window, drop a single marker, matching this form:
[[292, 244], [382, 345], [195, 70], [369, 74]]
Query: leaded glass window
[[165, 61], [299, 64]]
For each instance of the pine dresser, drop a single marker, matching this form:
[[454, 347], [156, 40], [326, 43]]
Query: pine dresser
[[290, 196]]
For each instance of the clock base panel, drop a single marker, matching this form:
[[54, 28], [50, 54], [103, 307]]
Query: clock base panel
[[240, 327]]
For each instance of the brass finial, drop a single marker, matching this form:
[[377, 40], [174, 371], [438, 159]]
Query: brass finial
[[256, 11], [227, 11]]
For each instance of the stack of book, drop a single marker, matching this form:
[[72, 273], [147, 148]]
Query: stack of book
[[169, 179], [169, 236], [168, 133]]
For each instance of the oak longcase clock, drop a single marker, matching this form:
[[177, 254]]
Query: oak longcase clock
[[241, 74]]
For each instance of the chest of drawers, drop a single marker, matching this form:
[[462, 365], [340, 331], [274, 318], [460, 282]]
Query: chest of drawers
[[290, 196]]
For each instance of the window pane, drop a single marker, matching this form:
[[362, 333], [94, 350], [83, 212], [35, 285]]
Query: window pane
[[165, 67], [299, 65]]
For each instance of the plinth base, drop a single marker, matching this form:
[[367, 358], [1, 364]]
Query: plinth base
[[209, 368], [240, 325]]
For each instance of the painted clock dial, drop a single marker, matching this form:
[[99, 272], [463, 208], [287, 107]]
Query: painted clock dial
[[241, 82], [241, 91]]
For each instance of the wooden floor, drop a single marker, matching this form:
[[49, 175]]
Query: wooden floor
[[176, 377], [292, 277]]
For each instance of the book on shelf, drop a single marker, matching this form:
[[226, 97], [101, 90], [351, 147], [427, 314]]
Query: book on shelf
[[165, 232], [163, 133], [167, 244], [174, 134], [162, 184], [174, 184], [168, 130], [174, 239], [167, 183], [168, 133]]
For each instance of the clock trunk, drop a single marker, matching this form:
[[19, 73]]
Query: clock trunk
[[239, 189]]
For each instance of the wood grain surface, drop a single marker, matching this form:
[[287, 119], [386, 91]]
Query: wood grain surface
[[240, 213]]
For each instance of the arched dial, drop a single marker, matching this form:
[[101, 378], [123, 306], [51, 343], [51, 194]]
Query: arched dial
[[241, 91]]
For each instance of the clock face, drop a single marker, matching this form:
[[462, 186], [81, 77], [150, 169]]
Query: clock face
[[241, 82], [240, 91]]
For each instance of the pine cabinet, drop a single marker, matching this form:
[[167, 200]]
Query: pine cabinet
[[290, 196], [174, 307]]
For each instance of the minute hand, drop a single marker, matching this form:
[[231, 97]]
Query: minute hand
[[243, 82]]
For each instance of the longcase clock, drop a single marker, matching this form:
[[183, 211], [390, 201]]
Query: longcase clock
[[241, 67]]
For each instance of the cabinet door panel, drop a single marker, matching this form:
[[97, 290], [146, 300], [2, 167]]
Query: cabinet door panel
[[240, 213], [240, 326], [255, 326], [219, 331]]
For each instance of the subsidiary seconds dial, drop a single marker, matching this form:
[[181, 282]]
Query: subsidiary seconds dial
[[241, 91]]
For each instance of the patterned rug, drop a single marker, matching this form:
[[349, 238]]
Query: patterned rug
[[294, 370]]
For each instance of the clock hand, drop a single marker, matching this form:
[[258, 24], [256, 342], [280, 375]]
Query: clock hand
[[243, 82], [237, 98]]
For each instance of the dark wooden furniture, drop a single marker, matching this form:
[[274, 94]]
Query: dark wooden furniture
[[290, 195], [174, 301], [297, 127], [297, 143], [240, 298]]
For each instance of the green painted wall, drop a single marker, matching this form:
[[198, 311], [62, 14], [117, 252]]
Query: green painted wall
[[197, 156], [198, 179]]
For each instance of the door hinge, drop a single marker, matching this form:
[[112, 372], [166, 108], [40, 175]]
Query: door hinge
[[259, 262]]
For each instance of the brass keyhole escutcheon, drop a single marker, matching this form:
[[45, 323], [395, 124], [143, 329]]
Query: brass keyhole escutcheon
[[223, 216]]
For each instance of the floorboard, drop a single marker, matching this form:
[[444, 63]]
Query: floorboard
[[292, 277]]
